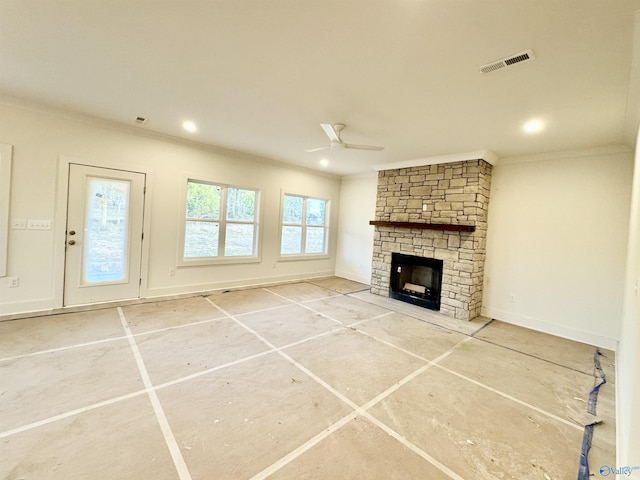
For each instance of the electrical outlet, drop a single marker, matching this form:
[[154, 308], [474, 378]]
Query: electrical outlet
[[172, 272], [13, 282], [512, 297]]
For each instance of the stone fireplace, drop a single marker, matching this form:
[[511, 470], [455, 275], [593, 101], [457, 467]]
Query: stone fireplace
[[435, 212]]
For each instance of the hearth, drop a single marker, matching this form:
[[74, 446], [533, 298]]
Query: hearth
[[416, 280]]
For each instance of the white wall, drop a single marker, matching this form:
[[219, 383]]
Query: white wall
[[40, 138], [628, 355], [557, 240], [355, 235]]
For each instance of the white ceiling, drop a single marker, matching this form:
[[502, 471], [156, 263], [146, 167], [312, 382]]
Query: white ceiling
[[260, 76]]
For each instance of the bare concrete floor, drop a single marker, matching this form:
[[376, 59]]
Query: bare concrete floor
[[309, 380]]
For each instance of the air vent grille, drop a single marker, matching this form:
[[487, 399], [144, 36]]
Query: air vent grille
[[507, 62], [141, 120]]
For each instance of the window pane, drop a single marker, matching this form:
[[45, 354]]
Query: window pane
[[201, 239], [315, 211], [238, 240], [203, 201], [291, 240], [292, 209], [315, 240], [241, 204], [106, 235]]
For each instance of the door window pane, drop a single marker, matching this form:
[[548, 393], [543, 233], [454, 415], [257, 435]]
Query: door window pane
[[106, 231]]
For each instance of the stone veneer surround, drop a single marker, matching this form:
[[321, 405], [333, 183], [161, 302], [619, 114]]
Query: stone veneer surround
[[454, 193]]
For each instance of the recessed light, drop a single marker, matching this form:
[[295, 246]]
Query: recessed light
[[533, 126], [189, 126], [324, 162]]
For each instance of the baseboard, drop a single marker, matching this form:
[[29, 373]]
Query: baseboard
[[354, 276], [242, 283], [30, 306], [10, 311], [563, 331]]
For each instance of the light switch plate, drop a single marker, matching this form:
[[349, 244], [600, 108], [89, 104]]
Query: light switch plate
[[39, 224], [18, 224]]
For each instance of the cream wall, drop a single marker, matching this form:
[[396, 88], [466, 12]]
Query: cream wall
[[41, 138], [355, 239], [557, 241]]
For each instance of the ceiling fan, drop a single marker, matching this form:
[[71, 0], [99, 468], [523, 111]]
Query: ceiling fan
[[333, 132]]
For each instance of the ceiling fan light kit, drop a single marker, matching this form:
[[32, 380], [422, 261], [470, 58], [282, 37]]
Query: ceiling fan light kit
[[333, 132]]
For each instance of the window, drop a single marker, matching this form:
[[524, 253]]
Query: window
[[220, 222], [305, 226]]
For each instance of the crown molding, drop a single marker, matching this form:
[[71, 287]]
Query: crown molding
[[486, 155]]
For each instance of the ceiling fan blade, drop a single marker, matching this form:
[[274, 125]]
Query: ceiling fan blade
[[318, 149], [363, 147], [330, 131]]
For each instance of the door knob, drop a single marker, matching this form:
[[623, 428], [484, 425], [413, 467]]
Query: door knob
[[71, 242]]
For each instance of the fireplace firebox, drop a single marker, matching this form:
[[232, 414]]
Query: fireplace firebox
[[416, 280]]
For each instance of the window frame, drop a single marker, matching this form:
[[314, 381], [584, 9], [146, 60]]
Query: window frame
[[223, 222], [6, 153], [327, 229]]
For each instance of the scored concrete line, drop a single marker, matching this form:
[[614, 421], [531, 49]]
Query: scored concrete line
[[357, 409], [288, 458], [411, 376], [414, 448], [303, 305], [105, 340], [62, 349], [71, 413], [174, 449], [306, 306], [513, 399], [161, 386], [475, 382]]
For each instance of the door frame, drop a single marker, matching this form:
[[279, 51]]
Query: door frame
[[60, 220]]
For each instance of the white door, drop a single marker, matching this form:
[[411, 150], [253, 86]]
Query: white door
[[104, 235]]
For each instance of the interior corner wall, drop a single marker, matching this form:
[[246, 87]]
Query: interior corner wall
[[628, 355], [40, 137], [556, 244], [355, 235]]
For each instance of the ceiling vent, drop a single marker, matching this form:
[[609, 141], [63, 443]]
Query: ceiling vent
[[141, 120], [507, 62]]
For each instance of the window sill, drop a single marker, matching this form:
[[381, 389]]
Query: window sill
[[203, 262], [310, 256]]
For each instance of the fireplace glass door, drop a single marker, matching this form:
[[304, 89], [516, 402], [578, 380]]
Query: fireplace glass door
[[416, 280]]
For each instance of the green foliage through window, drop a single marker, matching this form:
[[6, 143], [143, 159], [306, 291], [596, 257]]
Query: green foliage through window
[[206, 234]]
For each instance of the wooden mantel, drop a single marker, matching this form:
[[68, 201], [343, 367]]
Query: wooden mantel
[[425, 226]]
